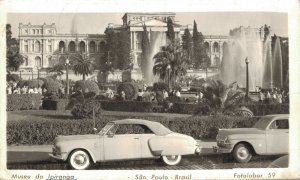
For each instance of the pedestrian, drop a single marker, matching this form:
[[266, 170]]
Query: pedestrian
[[178, 94], [268, 97], [123, 95], [261, 97], [279, 98], [140, 95], [165, 94]]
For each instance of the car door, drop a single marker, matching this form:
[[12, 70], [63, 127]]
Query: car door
[[146, 134], [277, 137], [120, 144]]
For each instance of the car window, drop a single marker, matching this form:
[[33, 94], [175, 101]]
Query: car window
[[280, 124], [133, 129]]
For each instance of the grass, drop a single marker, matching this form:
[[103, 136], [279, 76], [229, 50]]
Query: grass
[[65, 115]]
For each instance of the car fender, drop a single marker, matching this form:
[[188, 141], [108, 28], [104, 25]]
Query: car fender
[[171, 145], [258, 145]]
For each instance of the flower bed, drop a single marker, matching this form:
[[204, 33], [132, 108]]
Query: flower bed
[[32, 132], [23, 101]]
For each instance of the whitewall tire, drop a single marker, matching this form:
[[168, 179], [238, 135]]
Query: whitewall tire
[[242, 153], [171, 160], [79, 160]]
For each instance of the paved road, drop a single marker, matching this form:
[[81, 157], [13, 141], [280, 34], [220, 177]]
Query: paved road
[[36, 157]]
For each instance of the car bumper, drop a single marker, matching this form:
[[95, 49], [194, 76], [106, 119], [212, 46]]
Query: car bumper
[[198, 150], [58, 156], [217, 149]]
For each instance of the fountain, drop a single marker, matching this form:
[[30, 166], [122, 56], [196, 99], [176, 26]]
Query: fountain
[[157, 39], [265, 70]]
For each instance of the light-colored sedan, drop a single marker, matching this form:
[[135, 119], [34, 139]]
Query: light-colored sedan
[[269, 136], [123, 140]]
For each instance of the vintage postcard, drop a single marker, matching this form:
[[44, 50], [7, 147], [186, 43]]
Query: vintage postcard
[[149, 90]]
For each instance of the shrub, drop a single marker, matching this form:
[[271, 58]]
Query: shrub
[[58, 104], [131, 106], [160, 86], [12, 77], [129, 88], [86, 86], [34, 83], [259, 109], [44, 131], [22, 83], [52, 87], [86, 110], [23, 101]]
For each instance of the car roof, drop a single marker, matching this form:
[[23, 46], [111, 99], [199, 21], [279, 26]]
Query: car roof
[[156, 127]]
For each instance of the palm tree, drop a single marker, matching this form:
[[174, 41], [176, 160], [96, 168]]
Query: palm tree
[[171, 59], [82, 64], [224, 98], [58, 68]]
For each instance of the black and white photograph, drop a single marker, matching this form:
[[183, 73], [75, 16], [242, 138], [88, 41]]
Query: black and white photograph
[[172, 92]]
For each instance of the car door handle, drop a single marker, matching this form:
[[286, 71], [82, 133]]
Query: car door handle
[[136, 138]]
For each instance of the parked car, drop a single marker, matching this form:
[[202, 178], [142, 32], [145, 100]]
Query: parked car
[[282, 162], [269, 136], [123, 140]]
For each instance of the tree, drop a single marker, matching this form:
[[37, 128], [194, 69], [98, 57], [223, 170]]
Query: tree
[[112, 47], [123, 49], [82, 64], [13, 58], [225, 99], [170, 56], [145, 53], [170, 32], [199, 54], [187, 43]]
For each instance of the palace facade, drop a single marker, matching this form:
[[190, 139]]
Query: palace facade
[[42, 46]]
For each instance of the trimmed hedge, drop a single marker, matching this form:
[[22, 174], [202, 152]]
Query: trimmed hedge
[[132, 106], [44, 131], [52, 87], [84, 85], [59, 104], [23, 101], [264, 109]]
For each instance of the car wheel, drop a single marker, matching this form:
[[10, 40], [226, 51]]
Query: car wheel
[[79, 160], [242, 153], [171, 160]]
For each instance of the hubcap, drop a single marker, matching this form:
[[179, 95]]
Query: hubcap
[[172, 158], [80, 159], [243, 153]]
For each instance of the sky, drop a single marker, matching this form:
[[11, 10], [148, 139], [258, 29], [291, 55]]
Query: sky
[[209, 23]]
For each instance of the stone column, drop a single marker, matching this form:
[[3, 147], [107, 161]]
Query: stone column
[[21, 45], [131, 44], [134, 40]]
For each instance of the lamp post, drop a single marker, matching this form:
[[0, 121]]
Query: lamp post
[[247, 78], [20, 74], [67, 74], [168, 69], [38, 77]]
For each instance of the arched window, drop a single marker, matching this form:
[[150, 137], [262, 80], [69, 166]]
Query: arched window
[[37, 46], [216, 47], [62, 46], [82, 46], [139, 59], [206, 46], [38, 61], [72, 46], [102, 46], [26, 61], [92, 47]]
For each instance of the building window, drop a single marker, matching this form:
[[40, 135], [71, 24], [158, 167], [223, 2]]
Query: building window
[[49, 48], [61, 46], [37, 47], [26, 61], [92, 47], [26, 46], [102, 46], [82, 46], [72, 46], [139, 60], [139, 41], [206, 46], [38, 61], [33, 31], [216, 47]]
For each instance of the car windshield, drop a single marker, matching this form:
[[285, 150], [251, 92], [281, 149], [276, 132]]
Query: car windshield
[[262, 123], [106, 128]]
